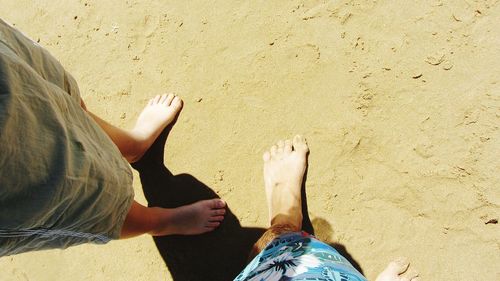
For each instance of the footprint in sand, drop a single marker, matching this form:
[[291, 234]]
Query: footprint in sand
[[150, 24]]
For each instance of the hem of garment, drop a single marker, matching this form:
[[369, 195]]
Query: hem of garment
[[115, 235], [45, 232]]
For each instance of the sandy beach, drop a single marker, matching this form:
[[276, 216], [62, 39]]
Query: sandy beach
[[399, 102]]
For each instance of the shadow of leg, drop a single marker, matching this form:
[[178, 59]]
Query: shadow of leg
[[307, 226], [217, 255], [324, 231]]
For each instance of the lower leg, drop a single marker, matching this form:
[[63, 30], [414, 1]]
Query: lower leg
[[200, 217], [284, 168], [271, 233], [124, 140], [158, 113]]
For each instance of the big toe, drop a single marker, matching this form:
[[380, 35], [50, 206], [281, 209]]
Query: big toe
[[176, 103], [216, 204], [300, 144]]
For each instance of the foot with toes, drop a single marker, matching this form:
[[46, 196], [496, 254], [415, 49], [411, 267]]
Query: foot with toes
[[398, 270], [284, 167], [158, 114], [197, 218]]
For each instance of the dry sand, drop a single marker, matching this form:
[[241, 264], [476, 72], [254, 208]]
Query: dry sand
[[400, 102]]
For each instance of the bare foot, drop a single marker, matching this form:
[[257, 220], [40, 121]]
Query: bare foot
[[158, 113], [284, 168], [398, 271], [197, 218]]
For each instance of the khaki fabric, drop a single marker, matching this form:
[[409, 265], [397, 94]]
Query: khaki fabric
[[62, 181]]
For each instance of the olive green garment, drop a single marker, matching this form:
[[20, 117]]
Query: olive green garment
[[62, 180]]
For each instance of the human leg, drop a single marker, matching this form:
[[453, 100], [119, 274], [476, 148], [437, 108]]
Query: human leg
[[158, 113], [197, 218], [284, 252], [284, 167]]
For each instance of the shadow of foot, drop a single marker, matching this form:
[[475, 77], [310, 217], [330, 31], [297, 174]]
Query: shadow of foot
[[217, 255]]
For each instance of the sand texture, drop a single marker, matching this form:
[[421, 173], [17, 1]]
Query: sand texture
[[399, 101]]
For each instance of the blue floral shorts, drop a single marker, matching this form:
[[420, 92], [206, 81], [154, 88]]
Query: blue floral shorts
[[299, 256]]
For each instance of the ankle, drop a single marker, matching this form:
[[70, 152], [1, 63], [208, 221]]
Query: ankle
[[161, 222], [294, 222], [136, 146], [138, 136]]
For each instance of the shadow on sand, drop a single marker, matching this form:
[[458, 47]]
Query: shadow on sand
[[324, 230], [216, 256]]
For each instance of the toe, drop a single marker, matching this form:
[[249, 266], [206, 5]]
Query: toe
[[156, 99], [176, 103], [218, 212], [280, 144], [410, 275], [273, 150], [216, 219], [150, 102], [288, 146], [212, 224], [300, 144], [398, 266], [169, 99], [163, 98], [266, 156], [217, 204]]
